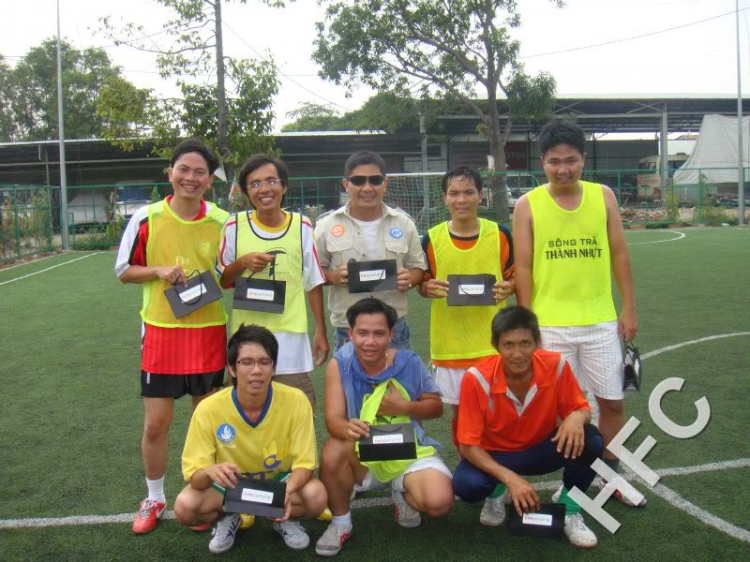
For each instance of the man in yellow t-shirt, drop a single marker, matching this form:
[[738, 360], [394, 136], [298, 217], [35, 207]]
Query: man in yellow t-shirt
[[258, 428], [568, 241]]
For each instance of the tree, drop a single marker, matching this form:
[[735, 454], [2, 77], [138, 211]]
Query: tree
[[235, 124], [311, 116], [29, 92], [446, 49]]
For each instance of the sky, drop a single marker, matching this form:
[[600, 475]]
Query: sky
[[591, 47]]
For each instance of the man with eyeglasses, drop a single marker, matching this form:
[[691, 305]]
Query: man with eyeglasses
[[272, 244], [255, 428], [366, 229]]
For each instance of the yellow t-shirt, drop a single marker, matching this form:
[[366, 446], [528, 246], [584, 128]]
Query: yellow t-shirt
[[282, 439]]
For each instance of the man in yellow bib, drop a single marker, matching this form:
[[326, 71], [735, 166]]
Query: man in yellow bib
[[460, 336], [568, 237], [270, 243], [163, 244]]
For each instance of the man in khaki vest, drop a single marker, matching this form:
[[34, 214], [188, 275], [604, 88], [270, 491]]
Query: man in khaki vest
[[568, 240]]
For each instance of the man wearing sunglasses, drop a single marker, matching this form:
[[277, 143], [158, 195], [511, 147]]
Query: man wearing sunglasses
[[366, 229]]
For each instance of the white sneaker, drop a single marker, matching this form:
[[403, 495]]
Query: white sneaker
[[293, 533], [493, 511], [406, 516], [223, 533], [331, 542], [622, 498], [578, 533]]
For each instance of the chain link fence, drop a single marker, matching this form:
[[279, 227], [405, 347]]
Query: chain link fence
[[30, 214]]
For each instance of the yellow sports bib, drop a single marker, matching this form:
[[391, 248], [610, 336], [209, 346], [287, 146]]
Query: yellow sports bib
[[191, 244], [463, 332], [572, 284], [287, 267]]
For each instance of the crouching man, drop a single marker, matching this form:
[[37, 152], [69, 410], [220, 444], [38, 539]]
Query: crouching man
[[507, 426], [367, 384], [258, 428]]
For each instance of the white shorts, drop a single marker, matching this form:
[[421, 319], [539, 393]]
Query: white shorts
[[370, 484], [449, 383], [295, 353], [593, 352]]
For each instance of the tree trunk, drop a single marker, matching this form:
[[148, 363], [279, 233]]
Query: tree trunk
[[221, 101], [497, 150]]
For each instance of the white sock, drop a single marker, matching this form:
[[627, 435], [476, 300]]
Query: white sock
[[156, 489], [342, 520]]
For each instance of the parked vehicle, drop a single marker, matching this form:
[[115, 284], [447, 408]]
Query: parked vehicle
[[649, 181]]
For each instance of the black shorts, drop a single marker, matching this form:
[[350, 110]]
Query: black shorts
[[154, 385]]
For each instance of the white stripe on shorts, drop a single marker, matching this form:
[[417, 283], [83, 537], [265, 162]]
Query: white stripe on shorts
[[593, 352]]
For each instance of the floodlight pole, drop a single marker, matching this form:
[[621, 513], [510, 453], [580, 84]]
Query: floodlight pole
[[740, 155], [61, 131]]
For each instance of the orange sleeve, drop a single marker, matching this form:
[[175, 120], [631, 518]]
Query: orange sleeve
[[472, 406], [429, 253], [506, 253]]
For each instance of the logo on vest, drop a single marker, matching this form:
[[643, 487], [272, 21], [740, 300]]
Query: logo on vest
[[396, 232], [337, 230], [226, 433]]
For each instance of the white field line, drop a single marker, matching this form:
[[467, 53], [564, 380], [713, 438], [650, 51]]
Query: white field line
[[691, 342], [33, 261], [44, 270], [679, 502], [680, 237], [549, 485]]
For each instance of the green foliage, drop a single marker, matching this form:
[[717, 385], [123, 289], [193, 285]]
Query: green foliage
[[28, 92], [444, 50], [244, 88]]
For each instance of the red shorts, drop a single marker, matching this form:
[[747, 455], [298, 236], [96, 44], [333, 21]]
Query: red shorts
[[183, 351]]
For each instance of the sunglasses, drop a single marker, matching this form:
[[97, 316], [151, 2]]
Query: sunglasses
[[359, 181]]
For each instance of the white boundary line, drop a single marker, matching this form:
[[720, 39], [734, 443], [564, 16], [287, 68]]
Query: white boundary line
[[34, 261], [679, 502], [680, 237], [365, 503], [53, 267], [660, 490]]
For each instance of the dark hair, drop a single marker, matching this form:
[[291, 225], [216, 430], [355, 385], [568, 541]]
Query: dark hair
[[371, 305], [362, 158], [464, 172], [195, 145], [251, 334], [560, 131], [515, 318], [258, 160]]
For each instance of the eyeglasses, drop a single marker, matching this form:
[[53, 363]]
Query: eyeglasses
[[272, 182], [263, 363], [359, 181]]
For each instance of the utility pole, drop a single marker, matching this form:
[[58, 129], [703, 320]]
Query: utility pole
[[61, 134]]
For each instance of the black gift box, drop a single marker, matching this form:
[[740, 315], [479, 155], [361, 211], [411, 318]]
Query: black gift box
[[547, 522], [201, 290], [471, 290], [372, 276], [261, 295], [389, 443], [264, 498]]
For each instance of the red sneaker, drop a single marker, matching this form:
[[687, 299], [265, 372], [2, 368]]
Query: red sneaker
[[201, 528], [148, 514]]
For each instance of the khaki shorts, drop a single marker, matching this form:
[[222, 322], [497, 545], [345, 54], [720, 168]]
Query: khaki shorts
[[303, 381]]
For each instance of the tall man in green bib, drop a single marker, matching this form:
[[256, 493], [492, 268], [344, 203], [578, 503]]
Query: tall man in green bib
[[271, 244], [569, 240], [460, 336]]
